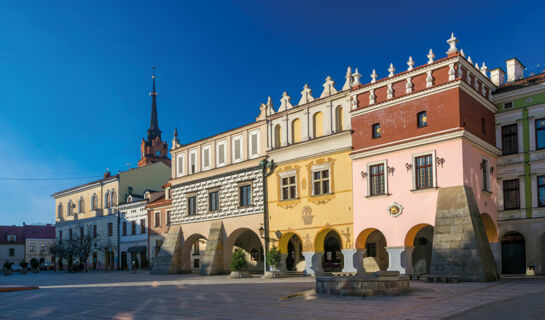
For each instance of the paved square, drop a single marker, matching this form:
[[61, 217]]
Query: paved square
[[122, 295]]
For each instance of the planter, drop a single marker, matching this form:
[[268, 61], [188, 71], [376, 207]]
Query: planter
[[36, 270], [238, 274], [7, 272], [274, 274]]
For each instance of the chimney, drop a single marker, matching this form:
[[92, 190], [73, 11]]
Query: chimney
[[515, 69], [497, 76]]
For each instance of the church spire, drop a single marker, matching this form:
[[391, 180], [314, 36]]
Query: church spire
[[153, 130]]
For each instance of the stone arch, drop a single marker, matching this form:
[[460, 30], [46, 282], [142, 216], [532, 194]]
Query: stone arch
[[296, 130], [411, 234], [328, 246], [277, 136], [320, 237], [188, 256], [318, 124], [291, 246], [374, 242], [251, 243], [513, 253], [420, 239], [490, 228]]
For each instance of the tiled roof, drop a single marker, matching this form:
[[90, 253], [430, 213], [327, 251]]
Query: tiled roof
[[39, 232], [525, 82], [18, 232]]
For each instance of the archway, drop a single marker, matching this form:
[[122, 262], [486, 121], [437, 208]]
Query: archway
[[513, 253], [420, 237], [329, 243], [250, 243], [376, 257], [291, 246], [193, 252]]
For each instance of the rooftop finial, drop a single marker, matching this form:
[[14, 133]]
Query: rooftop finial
[[410, 63], [153, 130], [452, 43], [391, 70], [356, 78], [348, 83], [374, 76], [430, 56]]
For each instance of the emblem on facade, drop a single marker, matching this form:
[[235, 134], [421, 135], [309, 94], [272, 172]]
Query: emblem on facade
[[307, 215], [395, 209]]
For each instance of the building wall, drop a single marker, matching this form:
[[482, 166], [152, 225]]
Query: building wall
[[150, 177], [46, 255], [19, 253], [157, 234]]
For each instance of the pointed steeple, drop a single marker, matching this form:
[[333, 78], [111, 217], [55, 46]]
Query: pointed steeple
[[153, 130]]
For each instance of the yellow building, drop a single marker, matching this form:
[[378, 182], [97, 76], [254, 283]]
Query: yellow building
[[309, 195]]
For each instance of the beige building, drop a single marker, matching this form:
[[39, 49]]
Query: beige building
[[38, 243]]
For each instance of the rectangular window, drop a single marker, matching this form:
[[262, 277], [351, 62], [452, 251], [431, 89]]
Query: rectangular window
[[220, 154], [421, 119], [11, 252], [424, 172], [32, 247], [94, 231], [213, 201], [192, 162], [508, 105], [110, 229], [142, 225], [511, 196], [168, 218], [157, 219], [43, 248], [485, 175], [376, 131], [371, 250], [192, 205], [540, 133], [254, 144], [133, 227], [377, 181], [180, 164], [245, 195], [509, 139], [320, 182], [124, 228], [289, 187], [541, 191], [206, 158]]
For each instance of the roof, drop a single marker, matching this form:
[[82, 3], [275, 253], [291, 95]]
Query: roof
[[86, 184], [39, 232], [522, 83], [157, 199], [18, 232]]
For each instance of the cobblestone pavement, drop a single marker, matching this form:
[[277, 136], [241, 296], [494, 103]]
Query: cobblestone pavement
[[122, 295]]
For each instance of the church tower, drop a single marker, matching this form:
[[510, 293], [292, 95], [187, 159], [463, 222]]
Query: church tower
[[153, 149]]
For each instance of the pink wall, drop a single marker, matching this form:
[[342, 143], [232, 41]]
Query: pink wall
[[418, 206]]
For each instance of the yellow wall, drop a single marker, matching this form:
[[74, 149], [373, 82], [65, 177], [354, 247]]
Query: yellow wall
[[296, 130], [318, 124], [87, 194], [311, 217]]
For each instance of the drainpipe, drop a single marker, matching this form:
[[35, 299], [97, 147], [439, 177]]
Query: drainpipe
[[264, 165]]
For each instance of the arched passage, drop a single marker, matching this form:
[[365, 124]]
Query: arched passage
[[291, 246], [420, 237], [250, 243], [329, 243], [513, 253], [193, 252], [374, 243]]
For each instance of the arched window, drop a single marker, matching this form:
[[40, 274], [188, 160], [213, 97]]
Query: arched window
[[113, 201], [69, 210], [59, 210], [107, 199], [318, 125], [81, 205], [296, 130], [94, 202], [277, 136], [339, 119]]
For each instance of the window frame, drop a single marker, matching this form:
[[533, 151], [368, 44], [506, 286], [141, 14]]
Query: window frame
[[374, 134], [157, 222], [321, 168], [234, 140], [538, 186], [288, 175], [503, 136], [142, 226], [486, 174], [168, 217], [133, 227], [250, 197], [206, 149], [110, 229], [218, 144], [425, 123], [384, 163], [251, 152], [180, 158], [508, 108], [189, 211], [210, 192], [536, 129], [434, 169], [124, 228], [517, 189], [196, 168]]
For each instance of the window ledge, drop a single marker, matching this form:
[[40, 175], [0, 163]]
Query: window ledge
[[376, 196], [321, 195], [487, 192], [288, 200], [424, 189]]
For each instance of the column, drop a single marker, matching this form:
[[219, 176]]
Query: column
[[353, 260], [305, 125], [328, 119], [313, 263], [401, 259]]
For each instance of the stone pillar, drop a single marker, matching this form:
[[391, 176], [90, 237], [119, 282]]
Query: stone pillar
[[313, 263], [283, 266], [401, 259], [353, 260], [496, 252]]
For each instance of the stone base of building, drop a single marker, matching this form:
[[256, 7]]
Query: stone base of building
[[379, 284]]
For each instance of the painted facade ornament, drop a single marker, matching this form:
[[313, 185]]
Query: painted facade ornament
[[285, 103], [410, 63], [429, 79], [348, 83], [372, 97], [307, 215], [373, 76], [452, 41], [306, 95], [390, 91], [356, 78], [451, 72], [430, 56], [391, 70], [395, 210], [408, 86], [329, 87]]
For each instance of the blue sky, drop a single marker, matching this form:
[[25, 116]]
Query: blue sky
[[75, 75]]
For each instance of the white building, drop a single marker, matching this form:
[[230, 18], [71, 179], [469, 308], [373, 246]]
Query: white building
[[133, 232]]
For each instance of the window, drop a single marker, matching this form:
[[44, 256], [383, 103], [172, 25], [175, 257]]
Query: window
[[245, 195], [540, 133], [133, 227], [114, 198], [107, 199], [483, 125], [339, 119], [142, 225], [318, 124], [124, 228], [254, 144], [70, 209], [289, 187], [236, 145], [168, 218], [192, 162], [157, 219], [94, 202], [206, 158], [196, 248], [509, 139], [43, 248], [220, 154], [371, 250], [60, 236], [511, 197], [277, 136], [541, 191], [424, 171], [11, 252], [81, 232], [59, 210], [70, 234], [192, 205], [32, 247], [508, 105], [296, 131], [180, 161], [81, 205], [376, 131], [421, 119], [376, 180], [320, 182], [485, 176], [213, 201], [110, 229], [95, 231]]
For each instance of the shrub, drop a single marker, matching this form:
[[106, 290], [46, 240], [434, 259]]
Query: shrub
[[7, 265], [23, 264], [34, 263], [274, 258], [238, 262]]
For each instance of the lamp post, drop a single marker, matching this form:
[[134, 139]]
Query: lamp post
[[267, 168]]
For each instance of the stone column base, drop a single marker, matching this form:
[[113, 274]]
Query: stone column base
[[401, 259], [353, 260], [313, 263]]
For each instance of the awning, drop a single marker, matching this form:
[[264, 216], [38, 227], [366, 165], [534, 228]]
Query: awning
[[137, 249]]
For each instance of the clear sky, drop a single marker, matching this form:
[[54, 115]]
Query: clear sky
[[75, 75]]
